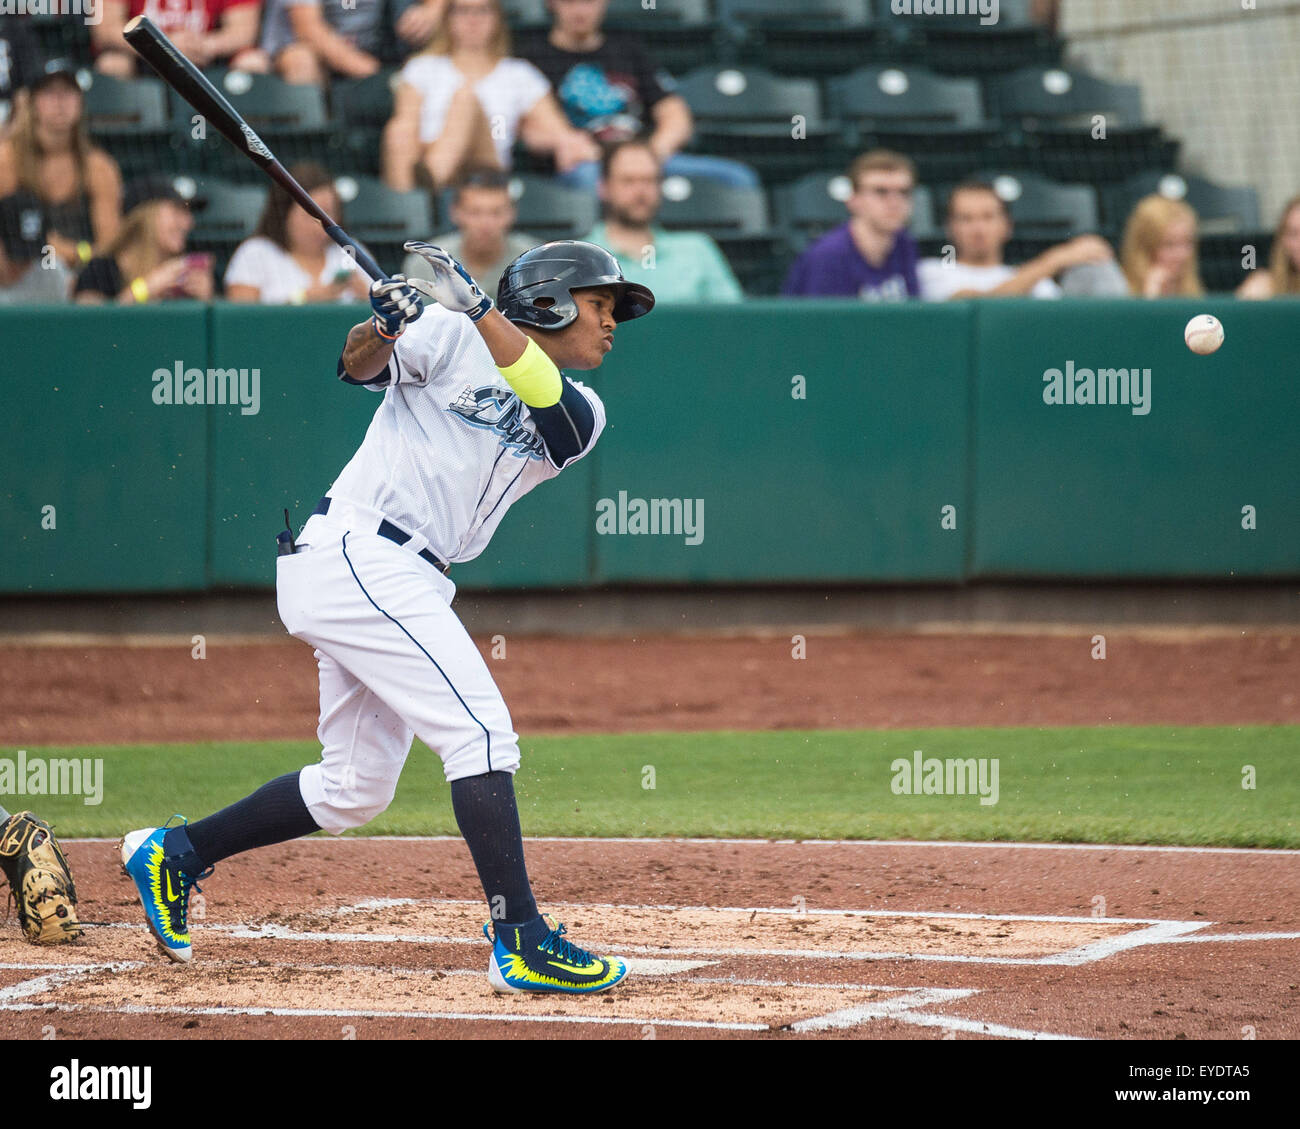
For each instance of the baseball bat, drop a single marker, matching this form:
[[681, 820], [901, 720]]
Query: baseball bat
[[191, 84]]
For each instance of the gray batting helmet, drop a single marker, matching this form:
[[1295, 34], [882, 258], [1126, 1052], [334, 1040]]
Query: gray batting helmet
[[554, 270]]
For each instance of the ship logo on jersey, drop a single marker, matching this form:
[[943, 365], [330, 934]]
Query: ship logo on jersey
[[499, 410]]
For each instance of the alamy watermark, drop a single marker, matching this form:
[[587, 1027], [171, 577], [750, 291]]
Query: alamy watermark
[[987, 10], [670, 517], [181, 385], [90, 11], [45, 776], [1102, 387], [955, 776]]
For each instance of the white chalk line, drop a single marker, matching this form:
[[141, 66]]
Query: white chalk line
[[367, 904], [924, 843]]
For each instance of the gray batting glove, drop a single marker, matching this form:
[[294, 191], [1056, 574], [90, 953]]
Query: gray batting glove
[[396, 304], [451, 286]]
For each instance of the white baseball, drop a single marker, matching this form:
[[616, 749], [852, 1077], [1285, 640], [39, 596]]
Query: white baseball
[[1204, 334]]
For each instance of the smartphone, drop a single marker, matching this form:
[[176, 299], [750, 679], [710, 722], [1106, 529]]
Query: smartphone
[[341, 276], [198, 261]]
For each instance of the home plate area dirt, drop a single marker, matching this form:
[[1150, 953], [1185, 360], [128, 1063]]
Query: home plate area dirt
[[899, 940]]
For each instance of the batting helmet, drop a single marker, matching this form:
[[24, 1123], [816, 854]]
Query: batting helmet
[[555, 270]]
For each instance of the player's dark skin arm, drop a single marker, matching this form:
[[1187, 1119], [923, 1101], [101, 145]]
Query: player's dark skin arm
[[365, 353]]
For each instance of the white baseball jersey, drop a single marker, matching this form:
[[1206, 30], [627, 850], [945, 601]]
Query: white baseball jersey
[[452, 447]]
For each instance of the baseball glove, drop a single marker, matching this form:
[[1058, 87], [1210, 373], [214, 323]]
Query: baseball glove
[[40, 883]]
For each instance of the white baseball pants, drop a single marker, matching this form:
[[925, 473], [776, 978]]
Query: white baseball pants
[[395, 662]]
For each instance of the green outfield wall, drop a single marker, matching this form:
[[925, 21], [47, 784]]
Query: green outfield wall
[[775, 441]]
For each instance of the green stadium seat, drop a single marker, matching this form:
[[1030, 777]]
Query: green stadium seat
[[1044, 209], [1043, 96], [811, 37], [961, 44], [292, 119], [936, 120], [362, 106], [376, 212], [679, 35], [231, 215], [1222, 210], [129, 119], [774, 124], [548, 209], [719, 210], [1054, 115]]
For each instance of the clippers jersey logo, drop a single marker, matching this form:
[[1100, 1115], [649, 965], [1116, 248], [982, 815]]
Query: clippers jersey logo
[[498, 410]]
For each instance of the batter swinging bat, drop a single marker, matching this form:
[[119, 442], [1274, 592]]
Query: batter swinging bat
[[188, 81]]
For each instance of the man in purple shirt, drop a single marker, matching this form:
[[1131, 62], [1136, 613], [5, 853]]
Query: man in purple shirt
[[873, 256]]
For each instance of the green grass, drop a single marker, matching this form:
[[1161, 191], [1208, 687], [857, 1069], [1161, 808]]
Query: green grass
[[1152, 784]]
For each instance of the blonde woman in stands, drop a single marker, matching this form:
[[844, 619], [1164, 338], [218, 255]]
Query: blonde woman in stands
[[462, 102], [1159, 252], [1282, 278]]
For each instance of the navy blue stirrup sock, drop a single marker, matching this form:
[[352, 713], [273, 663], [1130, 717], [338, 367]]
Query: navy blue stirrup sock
[[274, 813], [488, 818]]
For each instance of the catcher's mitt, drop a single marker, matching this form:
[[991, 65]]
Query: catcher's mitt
[[40, 883]]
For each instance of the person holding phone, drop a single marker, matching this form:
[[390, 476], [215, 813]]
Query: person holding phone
[[290, 259], [146, 261]]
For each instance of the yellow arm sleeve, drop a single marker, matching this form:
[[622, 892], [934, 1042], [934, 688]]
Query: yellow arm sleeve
[[534, 377]]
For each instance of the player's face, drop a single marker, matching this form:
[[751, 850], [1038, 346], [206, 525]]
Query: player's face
[[585, 343], [631, 191], [883, 199], [579, 17], [978, 227], [483, 216]]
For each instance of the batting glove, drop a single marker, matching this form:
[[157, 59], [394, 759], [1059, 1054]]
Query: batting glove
[[451, 285], [396, 304]]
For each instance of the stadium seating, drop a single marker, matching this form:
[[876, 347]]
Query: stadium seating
[[292, 119], [936, 120], [383, 219], [230, 216], [811, 37], [548, 209], [1222, 210], [774, 124], [964, 45], [738, 218], [526, 13], [362, 106], [1044, 209], [679, 34], [130, 120]]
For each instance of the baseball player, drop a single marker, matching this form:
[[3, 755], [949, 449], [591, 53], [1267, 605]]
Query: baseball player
[[476, 412]]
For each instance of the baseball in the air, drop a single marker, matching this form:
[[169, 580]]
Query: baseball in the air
[[1204, 334]]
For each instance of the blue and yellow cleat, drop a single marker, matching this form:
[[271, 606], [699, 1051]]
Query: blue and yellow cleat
[[163, 887], [553, 965]]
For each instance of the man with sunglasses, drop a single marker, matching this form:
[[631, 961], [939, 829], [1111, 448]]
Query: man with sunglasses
[[873, 256]]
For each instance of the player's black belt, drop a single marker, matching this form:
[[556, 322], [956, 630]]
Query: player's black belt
[[394, 533]]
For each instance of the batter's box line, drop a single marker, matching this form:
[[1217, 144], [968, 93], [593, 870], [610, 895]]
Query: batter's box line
[[368, 904]]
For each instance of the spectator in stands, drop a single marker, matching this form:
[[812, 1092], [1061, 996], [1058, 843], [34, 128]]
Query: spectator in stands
[[681, 266], [207, 32], [610, 88], [146, 261], [290, 258], [483, 241], [979, 226], [19, 63], [873, 256], [48, 154], [461, 104], [310, 40], [1159, 249], [1282, 278], [29, 270]]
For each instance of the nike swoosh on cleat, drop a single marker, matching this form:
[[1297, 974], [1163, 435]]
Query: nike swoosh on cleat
[[574, 970], [171, 895]]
